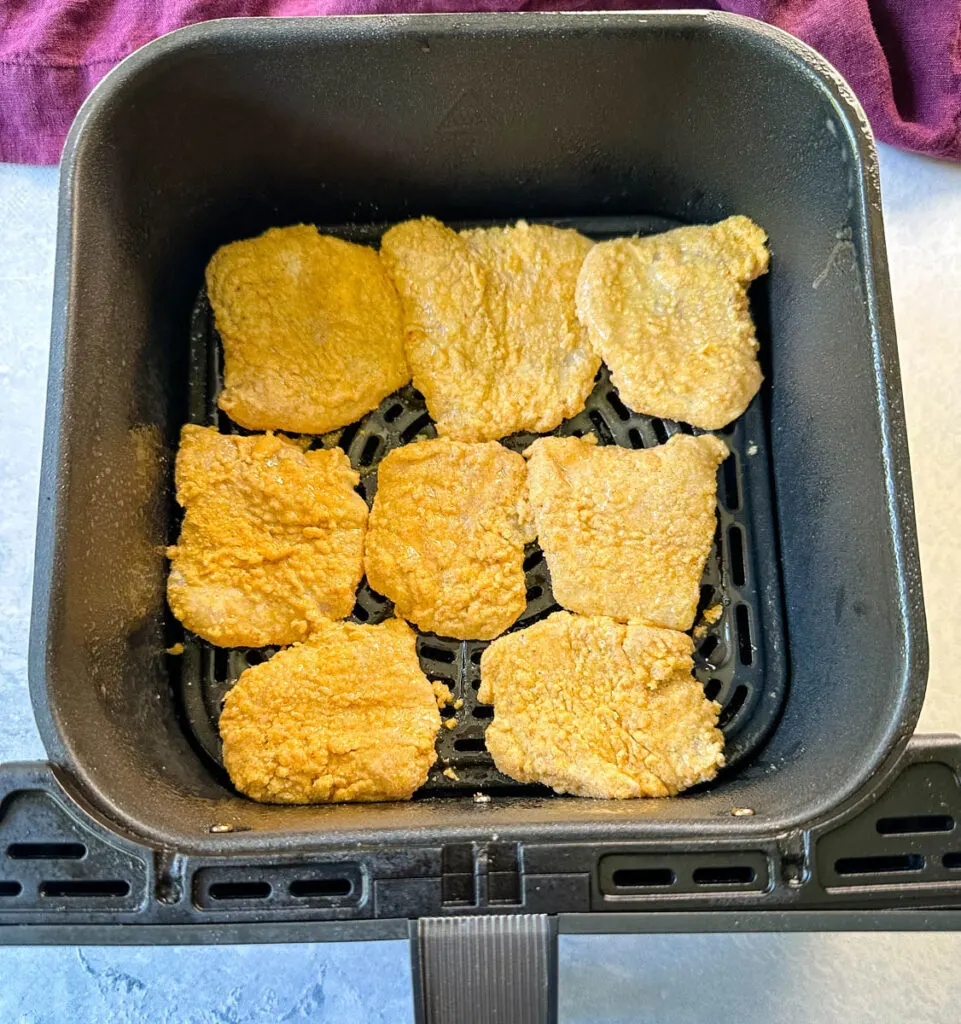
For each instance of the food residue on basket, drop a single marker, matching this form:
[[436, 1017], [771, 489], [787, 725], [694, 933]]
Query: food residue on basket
[[708, 617], [175, 649]]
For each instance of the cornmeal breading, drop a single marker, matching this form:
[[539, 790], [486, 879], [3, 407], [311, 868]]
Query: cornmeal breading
[[447, 534], [626, 533], [311, 328], [272, 539], [347, 716], [492, 335], [669, 315], [595, 708]]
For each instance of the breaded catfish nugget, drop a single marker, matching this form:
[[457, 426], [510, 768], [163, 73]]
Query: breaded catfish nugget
[[447, 534], [492, 335], [311, 329], [596, 708], [347, 716], [626, 533], [272, 540], [669, 315]]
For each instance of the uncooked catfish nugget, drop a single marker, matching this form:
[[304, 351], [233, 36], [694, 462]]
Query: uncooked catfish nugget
[[597, 708], [347, 716], [626, 533], [492, 334], [447, 534], [669, 315], [272, 540], [311, 329]]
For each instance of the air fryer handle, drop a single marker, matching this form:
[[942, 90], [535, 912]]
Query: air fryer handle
[[475, 970]]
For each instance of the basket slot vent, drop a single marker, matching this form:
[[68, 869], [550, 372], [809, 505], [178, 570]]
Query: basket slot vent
[[882, 864], [84, 888], [636, 878], [46, 851], [735, 555], [314, 888], [730, 488], [724, 874], [471, 744], [239, 890], [745, 645], [732, 707], [914, 824]]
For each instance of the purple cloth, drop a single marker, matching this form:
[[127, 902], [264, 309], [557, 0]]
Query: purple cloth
[[902, 57]]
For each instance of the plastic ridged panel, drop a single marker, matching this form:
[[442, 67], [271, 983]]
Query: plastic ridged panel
[[478, 969], [745, 675]]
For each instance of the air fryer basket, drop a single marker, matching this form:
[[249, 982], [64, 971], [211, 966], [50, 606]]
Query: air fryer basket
[[739, 659], [217, 132]]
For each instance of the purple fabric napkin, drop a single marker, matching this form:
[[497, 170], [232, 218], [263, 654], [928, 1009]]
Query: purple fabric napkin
[[902, 57]]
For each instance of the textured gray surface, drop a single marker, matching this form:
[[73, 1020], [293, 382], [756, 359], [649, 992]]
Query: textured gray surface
[[690, 979], [344, 983], [670, 979], [28, 213]]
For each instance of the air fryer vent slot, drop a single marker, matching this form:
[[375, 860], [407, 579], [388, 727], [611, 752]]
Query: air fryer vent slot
[[239, 891], [915, 824], [279, 886], [46, 851], [724, 874], [635, 878], [320, 888], [623, 878], [880, 864], [85, 888]]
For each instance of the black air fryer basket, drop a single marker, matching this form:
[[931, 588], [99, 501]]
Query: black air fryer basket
[[613, 124]]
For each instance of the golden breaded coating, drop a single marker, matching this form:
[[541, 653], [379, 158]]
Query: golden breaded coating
[[272, 540], [669, 315], [447, 534], [492, 335], [592, 707], [626, 533], [311, 328], [348, 716]]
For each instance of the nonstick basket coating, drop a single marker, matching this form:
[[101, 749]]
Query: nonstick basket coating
[[222, 130], [745, 675]]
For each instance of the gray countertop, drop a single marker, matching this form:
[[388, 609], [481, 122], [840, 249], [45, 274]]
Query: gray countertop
[[672, 979]]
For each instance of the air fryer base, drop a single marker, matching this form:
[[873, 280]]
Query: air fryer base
[[227, 128], [890, 859]]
